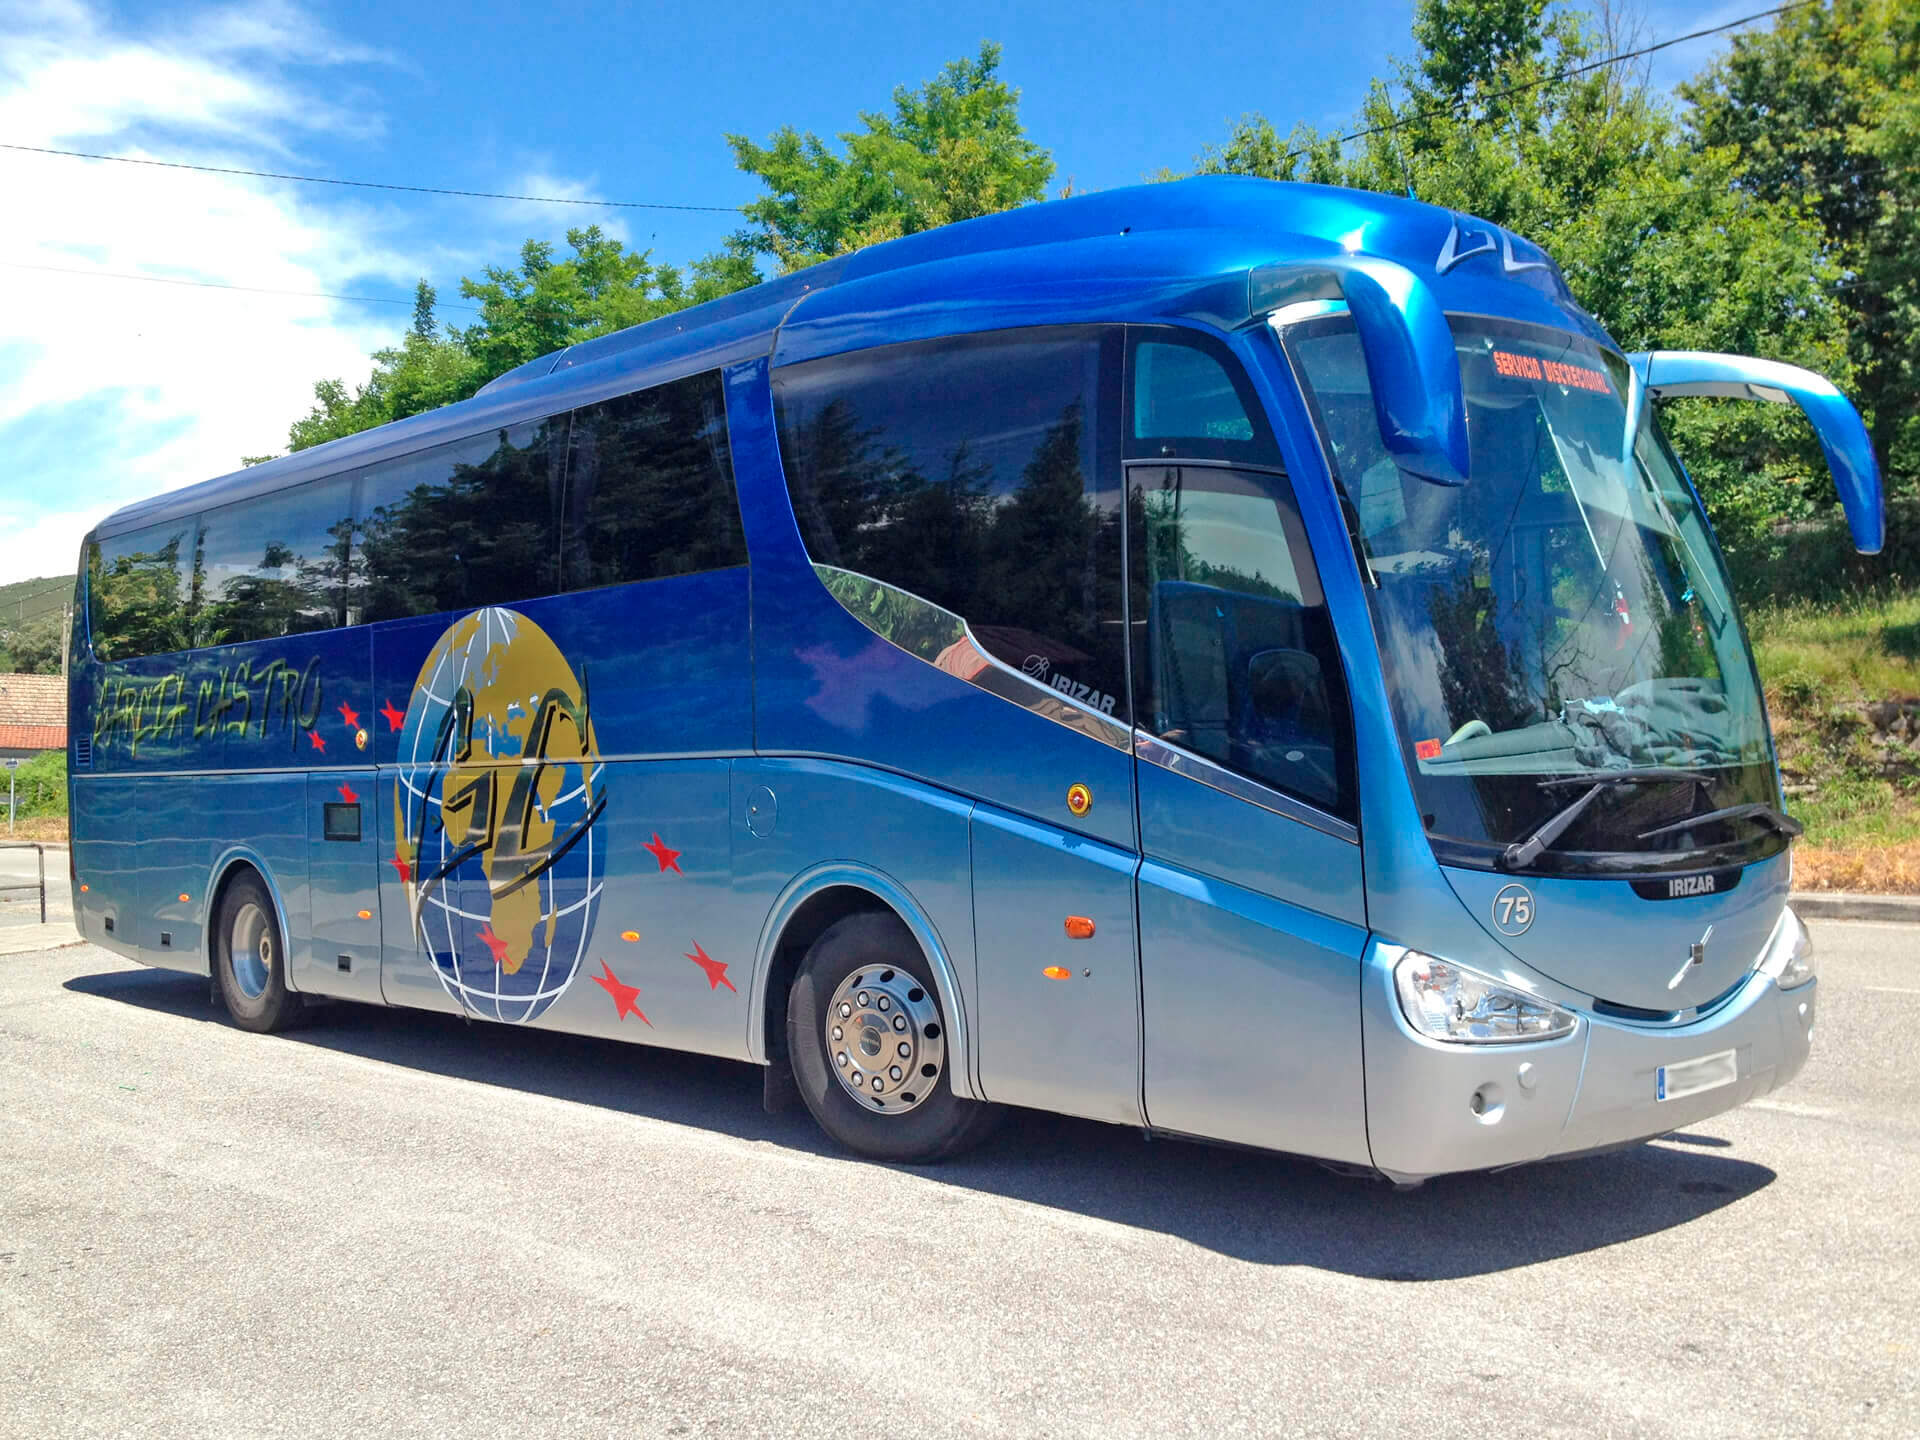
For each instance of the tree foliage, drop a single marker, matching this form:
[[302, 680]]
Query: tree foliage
[[32, 647], [1658, 233], [1821, 113], [541, 305], [952, 150]]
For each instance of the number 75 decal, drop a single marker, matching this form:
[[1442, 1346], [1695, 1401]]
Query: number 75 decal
[[1513, 910]]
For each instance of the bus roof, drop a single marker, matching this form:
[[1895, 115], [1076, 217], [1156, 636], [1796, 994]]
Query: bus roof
[[1174, 252]]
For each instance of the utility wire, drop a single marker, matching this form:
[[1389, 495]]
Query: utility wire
[[366, 184], [1567, 74], [216, 285]]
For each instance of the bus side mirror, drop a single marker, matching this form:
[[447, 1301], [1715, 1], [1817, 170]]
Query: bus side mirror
[[1856, 475], [1415, 374]]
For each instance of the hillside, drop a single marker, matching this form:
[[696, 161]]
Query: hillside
[[26, 600]]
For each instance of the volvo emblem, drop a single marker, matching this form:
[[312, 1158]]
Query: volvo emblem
[[1696, 955]]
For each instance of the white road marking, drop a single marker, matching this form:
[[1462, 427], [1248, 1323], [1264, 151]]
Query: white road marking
[[1889, 990]]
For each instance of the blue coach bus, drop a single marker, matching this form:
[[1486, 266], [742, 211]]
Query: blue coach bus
[[1233, 659]]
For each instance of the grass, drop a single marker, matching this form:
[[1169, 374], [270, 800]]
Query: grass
[[1857, 792], [48, 829]]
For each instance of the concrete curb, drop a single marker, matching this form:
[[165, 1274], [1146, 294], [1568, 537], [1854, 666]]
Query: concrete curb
[[1843, 905]]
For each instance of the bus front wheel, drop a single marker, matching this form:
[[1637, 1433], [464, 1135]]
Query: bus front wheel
[[868, 1041], [249, 959]]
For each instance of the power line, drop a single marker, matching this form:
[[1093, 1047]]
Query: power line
[[1567, 74], [216, 285], [367, 184]]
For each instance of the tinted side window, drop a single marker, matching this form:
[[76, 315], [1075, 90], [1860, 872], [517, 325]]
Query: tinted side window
[[1190, 398], [275, 566], [1236, 659], [650, 487], [468, 524], [140, 589], [978, 474]]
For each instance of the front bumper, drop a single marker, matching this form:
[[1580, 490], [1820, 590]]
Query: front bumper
[[1434, 1108]]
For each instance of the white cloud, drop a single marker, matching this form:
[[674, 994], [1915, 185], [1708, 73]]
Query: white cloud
[[150, 386]]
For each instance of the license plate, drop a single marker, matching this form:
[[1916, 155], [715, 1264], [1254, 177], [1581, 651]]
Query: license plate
[[1690, 1077]]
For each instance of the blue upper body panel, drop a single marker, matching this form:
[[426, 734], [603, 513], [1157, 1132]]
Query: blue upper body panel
[[1182, 251]]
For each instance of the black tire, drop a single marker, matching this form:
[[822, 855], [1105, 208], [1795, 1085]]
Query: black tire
[[249, 959], [940, 1123]]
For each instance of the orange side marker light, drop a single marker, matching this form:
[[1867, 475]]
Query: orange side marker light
[[1057, 972], [183, 899], [83, 889], [1079, 927], [366, 914], [630, 936]]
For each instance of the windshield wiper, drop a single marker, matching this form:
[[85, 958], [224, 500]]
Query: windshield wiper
[[1775, 820], [1522, 853]]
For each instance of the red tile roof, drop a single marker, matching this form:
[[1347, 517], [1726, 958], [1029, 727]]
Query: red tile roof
[[33, 737], [33, 700]]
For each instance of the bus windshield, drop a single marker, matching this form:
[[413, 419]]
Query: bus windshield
[[1565, 616]]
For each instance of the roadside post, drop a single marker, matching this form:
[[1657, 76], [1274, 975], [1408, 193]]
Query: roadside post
[[13, 764]]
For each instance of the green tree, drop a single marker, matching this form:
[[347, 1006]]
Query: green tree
[[34, 647], [1657, 237], [1822, 112], [950, 151]]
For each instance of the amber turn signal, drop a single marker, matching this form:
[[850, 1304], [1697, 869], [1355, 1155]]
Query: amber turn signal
[[1057, 972], [183, 899], [1079, 927], [630, 936], [83, 889], [366, 914]]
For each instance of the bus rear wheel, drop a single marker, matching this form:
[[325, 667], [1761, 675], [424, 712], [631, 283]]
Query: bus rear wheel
[[868, 1041], [249, 960]]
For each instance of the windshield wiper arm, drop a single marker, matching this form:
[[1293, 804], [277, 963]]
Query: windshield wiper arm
[[1776, 820], [1522, 853]]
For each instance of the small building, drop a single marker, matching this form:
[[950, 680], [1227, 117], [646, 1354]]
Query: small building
[[33, 715]]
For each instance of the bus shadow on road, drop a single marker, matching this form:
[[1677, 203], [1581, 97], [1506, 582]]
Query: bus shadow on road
[[1251, 1205]]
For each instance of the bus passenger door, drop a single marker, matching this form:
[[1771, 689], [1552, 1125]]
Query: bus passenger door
[[343, 859], [1251, 910]]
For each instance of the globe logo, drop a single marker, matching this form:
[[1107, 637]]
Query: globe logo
[[495, 808]]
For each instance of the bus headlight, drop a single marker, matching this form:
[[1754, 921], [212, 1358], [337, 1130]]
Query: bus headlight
[[1445, 1001], [1789, 959]]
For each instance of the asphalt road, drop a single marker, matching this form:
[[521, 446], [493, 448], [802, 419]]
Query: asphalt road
[[394, 1223]]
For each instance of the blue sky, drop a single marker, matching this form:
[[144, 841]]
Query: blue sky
[[112, 388]]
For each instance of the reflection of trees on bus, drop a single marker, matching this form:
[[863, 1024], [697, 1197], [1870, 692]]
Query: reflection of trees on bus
[[284, 593], [140, 600], [1479, 676], [1037, 562], [485, 529]]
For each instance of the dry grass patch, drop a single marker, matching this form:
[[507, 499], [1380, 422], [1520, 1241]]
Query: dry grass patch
[[47, 829], [1879, 870]]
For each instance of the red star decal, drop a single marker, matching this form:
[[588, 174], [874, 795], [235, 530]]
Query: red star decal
[[346, 794], [669, 858], [318, 743], [494, 943], [395, 718], [351, 716], [623, 995], [716, 969], [399, 863]]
